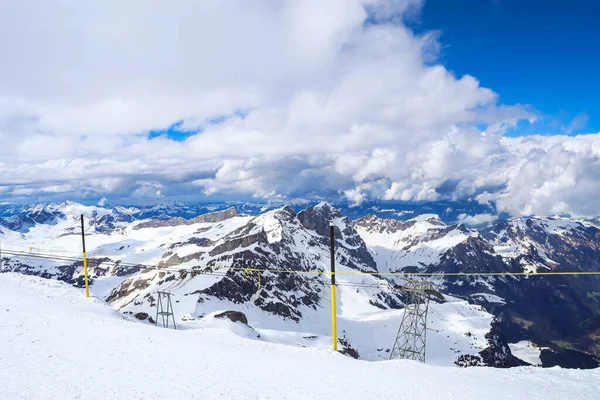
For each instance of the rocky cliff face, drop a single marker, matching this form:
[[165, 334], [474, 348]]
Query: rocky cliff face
[[498, 353], [38, 215], [559, 309], [218, 216], [244, 254]]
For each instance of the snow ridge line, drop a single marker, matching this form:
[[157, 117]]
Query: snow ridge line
[[119, 264]]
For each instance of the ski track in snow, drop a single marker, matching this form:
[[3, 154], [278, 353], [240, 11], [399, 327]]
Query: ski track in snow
[[56, 344]]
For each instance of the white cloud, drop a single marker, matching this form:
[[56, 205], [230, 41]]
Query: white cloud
[[478, 219], [332, 105], [578, 122]]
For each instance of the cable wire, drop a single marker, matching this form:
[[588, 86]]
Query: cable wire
[[162, 266]]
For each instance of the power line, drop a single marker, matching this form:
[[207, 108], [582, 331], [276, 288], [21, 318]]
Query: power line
[[47, 250], [116, 264], [159, 266]]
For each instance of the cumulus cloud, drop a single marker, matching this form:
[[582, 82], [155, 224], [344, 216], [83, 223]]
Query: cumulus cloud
[[477, 219], [288, 99]]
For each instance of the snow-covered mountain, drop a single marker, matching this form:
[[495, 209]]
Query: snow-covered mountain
[[202, 259], [418, 242], [561, 312], [447, 211]]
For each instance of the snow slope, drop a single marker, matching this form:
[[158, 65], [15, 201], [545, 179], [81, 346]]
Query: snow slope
[[527, 351], [419, 242], [56, 344]]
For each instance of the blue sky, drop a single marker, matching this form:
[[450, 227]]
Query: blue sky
[[543, 53]]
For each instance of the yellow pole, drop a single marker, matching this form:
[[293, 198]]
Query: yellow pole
[[333, 291], [85, 274], [85, 269], [333, 318]]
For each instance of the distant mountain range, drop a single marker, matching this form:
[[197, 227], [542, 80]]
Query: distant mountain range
[[449, 212], [200, 253]]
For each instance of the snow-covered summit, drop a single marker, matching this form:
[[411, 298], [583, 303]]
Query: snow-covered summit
[[419, 242]]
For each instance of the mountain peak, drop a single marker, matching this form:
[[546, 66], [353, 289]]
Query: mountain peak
[[326, 210], [324, 206], [218, 216], [433, 219], [289, 210], [373, 223], [319, 217]]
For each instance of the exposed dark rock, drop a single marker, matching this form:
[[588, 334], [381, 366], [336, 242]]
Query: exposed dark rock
[[22, 222], [347, 349], [285, 294], [141, 315], [318, 219], [234, 316], [128, 287], [469, 360], [239, 239], [566, 358], [374, 223], [498, 354], [214, 217], [281, 309]]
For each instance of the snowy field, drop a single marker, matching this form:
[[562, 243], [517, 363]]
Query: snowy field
[[56, 344]]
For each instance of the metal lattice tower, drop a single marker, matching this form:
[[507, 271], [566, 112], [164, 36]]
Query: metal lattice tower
[[164, 308], [411, 340]]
